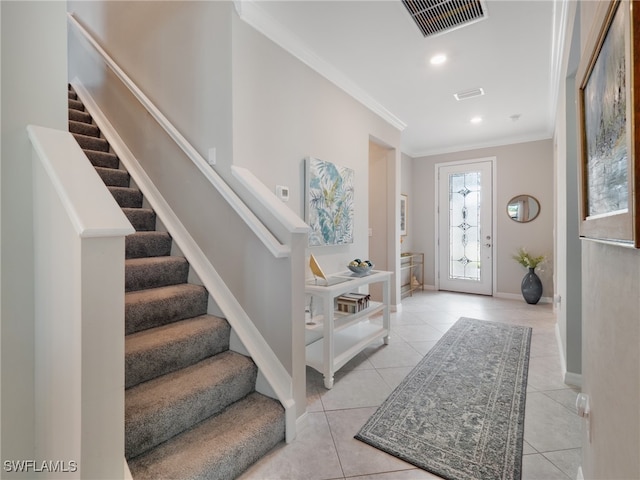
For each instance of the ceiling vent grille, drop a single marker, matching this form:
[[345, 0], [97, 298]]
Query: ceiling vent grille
[[476, 92], [435, 17]]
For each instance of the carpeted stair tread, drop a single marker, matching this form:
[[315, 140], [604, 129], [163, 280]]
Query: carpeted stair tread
[[127, 197], [147, 243], [160, 306], [83, 128], [102, 159], [113, 177], [163, 407], [142, 219], [219, 448], [72, 95], [87, 142], [78, 116], [161, 350], [75, 105], [153, 272]]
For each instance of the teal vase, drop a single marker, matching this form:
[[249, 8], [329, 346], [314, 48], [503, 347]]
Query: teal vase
[[531, 287]]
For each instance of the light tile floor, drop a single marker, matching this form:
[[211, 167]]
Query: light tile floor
[[325, 448]]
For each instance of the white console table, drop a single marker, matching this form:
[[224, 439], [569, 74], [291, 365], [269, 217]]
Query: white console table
[[334, 337]]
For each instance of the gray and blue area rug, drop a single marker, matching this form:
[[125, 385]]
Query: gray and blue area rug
[[460, 412]]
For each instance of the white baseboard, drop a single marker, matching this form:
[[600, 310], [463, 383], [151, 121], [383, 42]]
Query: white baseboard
[[570, 378], [517, 296], [509, 296], [573, 379], [563, 361], [302, 421]]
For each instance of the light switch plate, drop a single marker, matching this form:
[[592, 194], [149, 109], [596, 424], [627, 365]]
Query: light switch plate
[[282, 192], [211, 157]]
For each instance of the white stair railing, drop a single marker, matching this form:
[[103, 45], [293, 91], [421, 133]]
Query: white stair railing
[[269, 365], [263, 356]]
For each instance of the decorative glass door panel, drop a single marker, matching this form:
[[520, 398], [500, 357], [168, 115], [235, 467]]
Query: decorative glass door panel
[[464, 227]]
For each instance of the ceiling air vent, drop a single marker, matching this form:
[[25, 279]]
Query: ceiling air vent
[[435, 17], [476, 92]]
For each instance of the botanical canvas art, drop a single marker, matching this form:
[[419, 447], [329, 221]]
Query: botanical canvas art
[[605, 124], [329, 206]]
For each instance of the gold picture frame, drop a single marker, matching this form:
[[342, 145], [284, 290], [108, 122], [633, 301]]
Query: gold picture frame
[[608, 109]]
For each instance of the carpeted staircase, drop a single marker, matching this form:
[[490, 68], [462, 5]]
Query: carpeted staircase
[[191, 409]]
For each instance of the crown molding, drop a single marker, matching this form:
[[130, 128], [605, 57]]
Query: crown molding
[[560, 20], [253, 15], [477, 146]]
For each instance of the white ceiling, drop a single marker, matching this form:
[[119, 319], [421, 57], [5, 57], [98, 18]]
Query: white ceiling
[[374, 50]]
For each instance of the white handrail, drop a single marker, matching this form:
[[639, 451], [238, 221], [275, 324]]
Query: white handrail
[[285, 216], [276, 248]]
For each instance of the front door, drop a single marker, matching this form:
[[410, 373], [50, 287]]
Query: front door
[[465, 223]]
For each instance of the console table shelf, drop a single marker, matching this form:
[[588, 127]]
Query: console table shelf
[[336, 337], [343, 320], [347, 344], [411, 265]]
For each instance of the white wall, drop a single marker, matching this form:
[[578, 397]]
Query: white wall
[[611, 360], [0, 235], [180, 52], [525, 168], [34, 77], [568, 267], [283, 112], [378, 219], [406, 184], [610, 340]]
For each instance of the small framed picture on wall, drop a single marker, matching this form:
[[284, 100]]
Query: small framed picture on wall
[[404, 212]]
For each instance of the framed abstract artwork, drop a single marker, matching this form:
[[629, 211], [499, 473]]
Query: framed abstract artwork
[[329, 203], [607, 117]]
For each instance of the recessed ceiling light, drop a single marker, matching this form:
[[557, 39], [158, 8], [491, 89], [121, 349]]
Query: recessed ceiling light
[[438, 59], [477, 119]]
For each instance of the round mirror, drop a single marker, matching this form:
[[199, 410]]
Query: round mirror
[[523, 208]]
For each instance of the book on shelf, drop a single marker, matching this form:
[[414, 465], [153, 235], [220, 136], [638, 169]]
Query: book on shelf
[[353, 302]]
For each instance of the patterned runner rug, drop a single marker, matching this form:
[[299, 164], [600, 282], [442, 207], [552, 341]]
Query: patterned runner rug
[[460, 412]]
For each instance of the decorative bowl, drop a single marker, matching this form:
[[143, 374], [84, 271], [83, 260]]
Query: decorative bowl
[[361, 271]]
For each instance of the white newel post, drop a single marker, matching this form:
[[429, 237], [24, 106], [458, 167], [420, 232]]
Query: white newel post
[[79, 289]]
